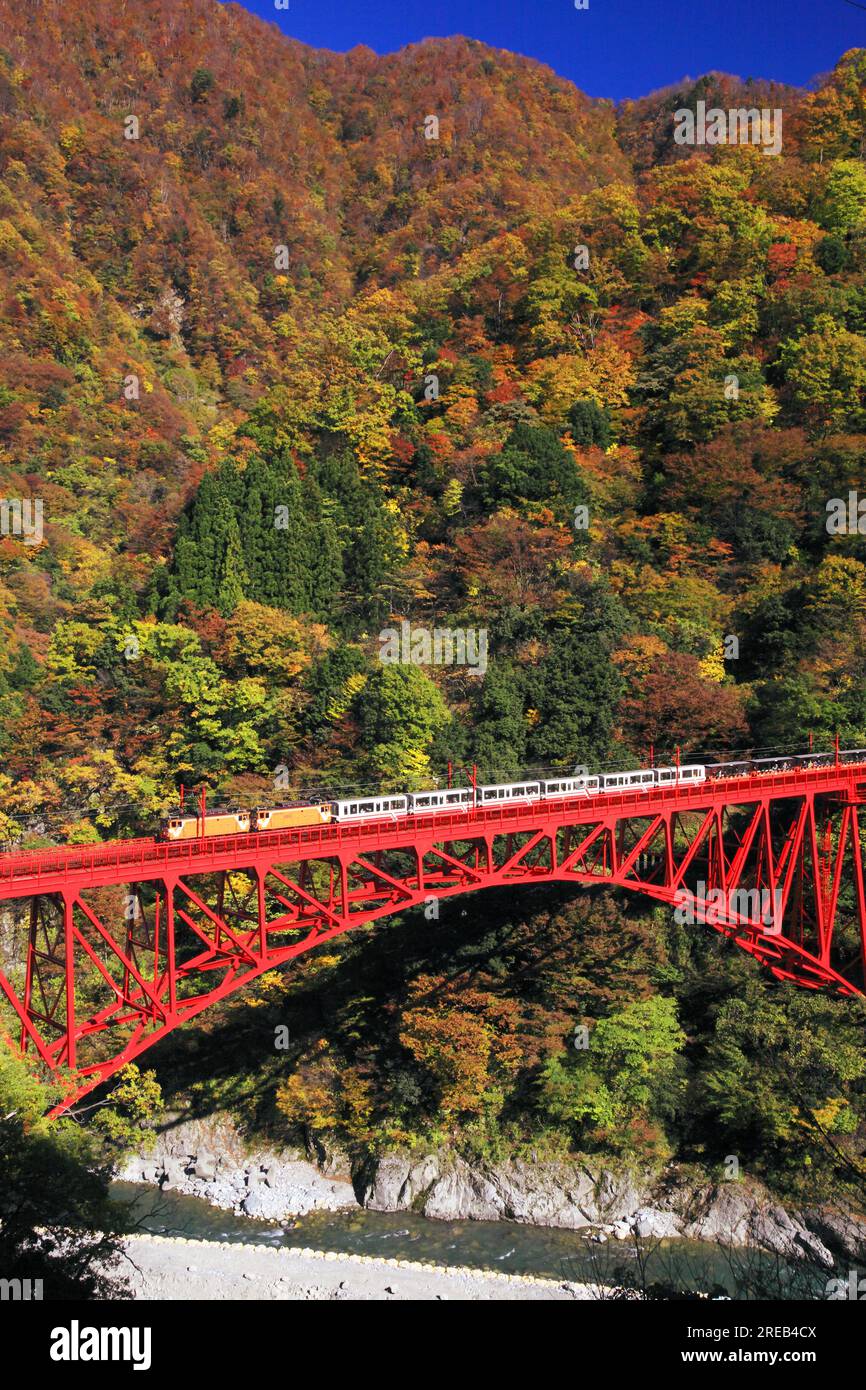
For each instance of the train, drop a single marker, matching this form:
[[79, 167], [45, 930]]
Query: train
[[177, 826], [390, 806]]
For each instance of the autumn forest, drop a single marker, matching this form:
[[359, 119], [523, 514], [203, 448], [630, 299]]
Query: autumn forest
[[297, 347]]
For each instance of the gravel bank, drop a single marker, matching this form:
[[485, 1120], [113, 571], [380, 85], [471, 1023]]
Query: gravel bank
[[168, 1267]]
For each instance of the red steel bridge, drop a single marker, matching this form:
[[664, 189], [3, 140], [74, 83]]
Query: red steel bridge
[[128, 940]]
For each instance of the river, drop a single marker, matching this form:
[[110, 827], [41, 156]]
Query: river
[[495, 1245]]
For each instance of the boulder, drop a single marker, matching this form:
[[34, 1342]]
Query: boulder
[[205, 1166], [772, 1228], [648, 1223], [839, 1231], [463, 1193], [293, 1189], [399, 1184]]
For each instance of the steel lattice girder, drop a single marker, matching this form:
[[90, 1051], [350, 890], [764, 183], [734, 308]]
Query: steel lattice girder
[[127, 942]]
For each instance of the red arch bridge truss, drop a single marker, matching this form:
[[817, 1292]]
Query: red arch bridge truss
[[121, 943]]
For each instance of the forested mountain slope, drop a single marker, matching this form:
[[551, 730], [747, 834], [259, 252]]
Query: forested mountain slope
[[281, 297], [283, 372]]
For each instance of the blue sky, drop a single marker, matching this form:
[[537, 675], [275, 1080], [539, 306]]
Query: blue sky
[[616, 48]]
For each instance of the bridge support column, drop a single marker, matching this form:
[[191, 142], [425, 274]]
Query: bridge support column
[[169, 885], [260, 909], [28, 979], [344, 888], [859, 884], [221, 908], [419, 861], [69, 976]]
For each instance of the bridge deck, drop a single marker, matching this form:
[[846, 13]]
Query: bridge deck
[[26, 872]]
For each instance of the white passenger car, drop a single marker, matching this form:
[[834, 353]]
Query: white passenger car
[[627, 781], [667, 776], [356, 808], [509, 793], [452, 799], [572, 786]]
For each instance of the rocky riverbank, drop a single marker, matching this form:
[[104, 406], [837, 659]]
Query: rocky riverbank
[[580, 1195], [208, 1159]]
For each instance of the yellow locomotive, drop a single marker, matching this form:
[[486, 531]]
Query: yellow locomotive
[[182, 827], [286, 817]]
